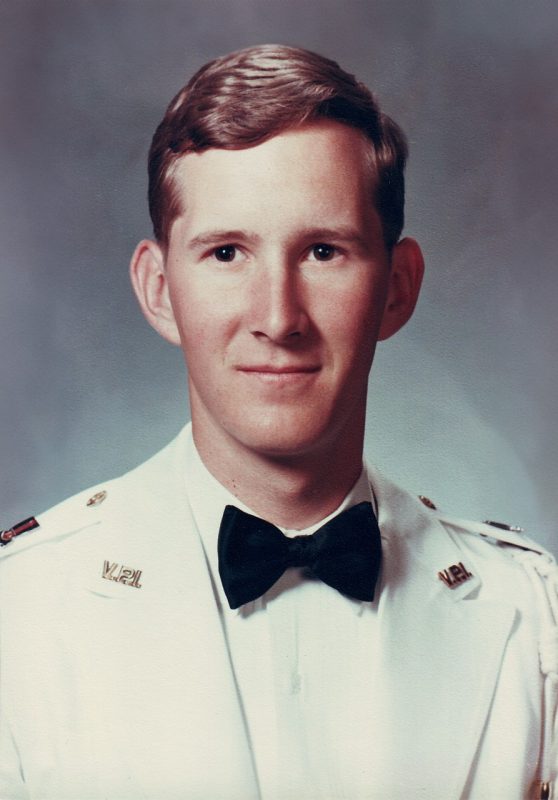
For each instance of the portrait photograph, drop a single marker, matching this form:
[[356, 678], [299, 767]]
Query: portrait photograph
[[263, 265]]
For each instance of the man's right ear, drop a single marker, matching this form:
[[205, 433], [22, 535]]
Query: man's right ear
[[149, 279]]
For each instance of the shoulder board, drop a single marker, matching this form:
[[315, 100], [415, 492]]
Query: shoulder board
[[495, 532], [69, 516]]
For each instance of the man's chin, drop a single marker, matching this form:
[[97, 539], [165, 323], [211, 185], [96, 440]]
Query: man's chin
[[281, 441], [279, 433]]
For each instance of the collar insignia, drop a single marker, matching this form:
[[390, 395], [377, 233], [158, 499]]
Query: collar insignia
[[455, 575], [112, 571]]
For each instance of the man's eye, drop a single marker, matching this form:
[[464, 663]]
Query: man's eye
[[323, 252], [226, 252]]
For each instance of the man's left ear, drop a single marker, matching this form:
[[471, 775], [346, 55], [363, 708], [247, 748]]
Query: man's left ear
[[149, 279], [407, 269]]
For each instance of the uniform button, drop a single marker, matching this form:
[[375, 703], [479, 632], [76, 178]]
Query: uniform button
[[427, 502], [97, 498]]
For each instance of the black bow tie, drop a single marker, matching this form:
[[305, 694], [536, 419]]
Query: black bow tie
[[345, 553]]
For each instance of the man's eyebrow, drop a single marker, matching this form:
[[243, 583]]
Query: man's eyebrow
[[221, 236], [343, 233]]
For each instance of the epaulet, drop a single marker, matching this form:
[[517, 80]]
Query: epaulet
[[498, 533], [69, 516]]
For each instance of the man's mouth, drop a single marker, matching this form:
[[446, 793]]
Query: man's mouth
[[279, 374]]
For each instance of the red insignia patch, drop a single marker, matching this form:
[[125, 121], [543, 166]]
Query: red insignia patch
[[26, 525]]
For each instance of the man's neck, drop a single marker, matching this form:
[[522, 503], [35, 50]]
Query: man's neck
[[290, 492]]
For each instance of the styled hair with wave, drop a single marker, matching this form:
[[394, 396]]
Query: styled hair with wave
[[249, 96]]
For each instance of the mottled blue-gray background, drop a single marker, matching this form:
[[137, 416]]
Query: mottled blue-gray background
[[463, 405]]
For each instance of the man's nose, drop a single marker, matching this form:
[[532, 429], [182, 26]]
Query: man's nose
[[278, 304]]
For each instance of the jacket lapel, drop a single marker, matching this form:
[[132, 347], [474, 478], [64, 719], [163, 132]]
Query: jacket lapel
[[442, 649], [148, 526]]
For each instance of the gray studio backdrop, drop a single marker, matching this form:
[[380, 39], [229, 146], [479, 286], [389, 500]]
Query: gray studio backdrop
[[463, 402]]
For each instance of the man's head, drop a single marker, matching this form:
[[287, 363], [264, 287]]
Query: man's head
[[249, 96], [277, 265]]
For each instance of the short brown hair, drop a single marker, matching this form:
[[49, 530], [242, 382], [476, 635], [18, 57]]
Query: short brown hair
[[242, 99]]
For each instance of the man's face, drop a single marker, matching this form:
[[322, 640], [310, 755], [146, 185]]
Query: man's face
[[278, 276]]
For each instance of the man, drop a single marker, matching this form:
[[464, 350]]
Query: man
[[250, 613]]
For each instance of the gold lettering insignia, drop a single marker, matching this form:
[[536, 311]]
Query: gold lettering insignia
[[455, 575], [112, 571]]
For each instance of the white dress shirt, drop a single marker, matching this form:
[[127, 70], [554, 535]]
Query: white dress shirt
[[303, 657]]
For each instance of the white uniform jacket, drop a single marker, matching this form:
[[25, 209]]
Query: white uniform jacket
[[116, 684]]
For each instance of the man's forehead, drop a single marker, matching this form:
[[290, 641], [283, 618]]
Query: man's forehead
[[316, 135], [327, 162]]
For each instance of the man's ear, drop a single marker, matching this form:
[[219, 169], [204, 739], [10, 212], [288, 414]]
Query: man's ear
[[407, 269], [149, 279]]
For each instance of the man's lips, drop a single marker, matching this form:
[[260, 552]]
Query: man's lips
[[275, 369], [279, 374]]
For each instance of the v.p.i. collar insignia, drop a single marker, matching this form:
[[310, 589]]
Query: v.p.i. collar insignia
[[113, 571], [455, 575]]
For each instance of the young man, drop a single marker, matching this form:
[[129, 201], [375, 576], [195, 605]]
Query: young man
[[251, 613]]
